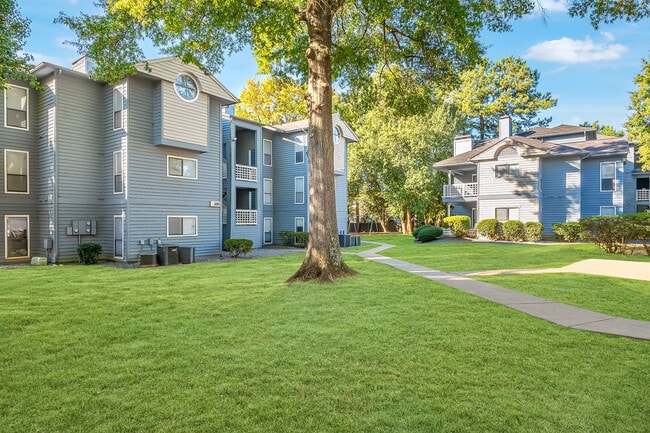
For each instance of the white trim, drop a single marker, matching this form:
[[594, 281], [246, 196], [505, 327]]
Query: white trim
[[270, 143], [196, 225], [7, 240], [120, 90], [115, 218], [182, 158], [270, 192], [295, 190], [194, 80], [613, 178], [295, 223], [10, 86], [6, 171], [264, 231], [120, 164], [298, 148], [607, 207]]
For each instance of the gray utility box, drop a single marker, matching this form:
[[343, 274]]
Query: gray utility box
[[186, 255], [168, 255], [349, 241], [148, 260]]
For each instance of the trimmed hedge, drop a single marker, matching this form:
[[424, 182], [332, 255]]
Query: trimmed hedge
[[534, 231], [419, 229], [235, 247], [299, 239], [428, 233], [567, 232], [460, 224], [513, 230], [89, 253], [491, 228]]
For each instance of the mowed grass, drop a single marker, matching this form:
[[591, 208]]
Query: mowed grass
[[228, 347], [618, 297], [480, 256]]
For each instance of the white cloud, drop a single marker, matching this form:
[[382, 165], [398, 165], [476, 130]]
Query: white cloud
[[571, 51], [608, 35], [549, 6], [74, 2]]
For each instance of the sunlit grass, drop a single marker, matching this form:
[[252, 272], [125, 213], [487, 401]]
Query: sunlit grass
[[228, 347]]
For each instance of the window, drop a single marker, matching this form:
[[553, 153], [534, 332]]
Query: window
[[607, 210], [16, 107], [16, 172], [118, 107], [268, 152], [506, 214], [118, 236], [118, 186], [336, 135], [181, 226], [299, 189], [268, 191], [181, 167], [186, 87], [268, 230], [17, 236], [506, 170], [300, 153], [607, 176], [300, 224]]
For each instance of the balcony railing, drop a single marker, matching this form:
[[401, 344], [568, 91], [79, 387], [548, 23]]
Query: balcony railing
[[461, 190], [643, 195], [245, 172], [245, 217]]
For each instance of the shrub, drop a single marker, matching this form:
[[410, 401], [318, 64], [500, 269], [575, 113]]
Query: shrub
[[419, 229], [89, 253], [608, 232], [490, 228], [534, 231], [638, 226], [299, 239], [428, 233], [460, 224], [568, 232], [287, 237], [513, 230], [235, 247], [302, 239]]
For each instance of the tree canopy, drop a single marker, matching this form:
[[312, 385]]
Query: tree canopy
[[493, 89], [273, 101], [14, 30], [320, 40], [604, 129], [638, 123]]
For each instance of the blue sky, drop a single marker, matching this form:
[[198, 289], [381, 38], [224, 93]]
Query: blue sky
[[591, 72]]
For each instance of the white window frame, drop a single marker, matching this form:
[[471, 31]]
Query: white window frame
[[6, 230], [182, 218], [602, 164], [507, 172], [296, 225], [510, 210], [613, 208], [118, 107], [183, 159], [6, 170], [268, 191], [26, 89], [118, 170], [268, 220], [115, 239], [183, 86], [299, 180], [299, 149], [267, 145]]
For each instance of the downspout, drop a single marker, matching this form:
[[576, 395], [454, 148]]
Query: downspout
[[55, 161]]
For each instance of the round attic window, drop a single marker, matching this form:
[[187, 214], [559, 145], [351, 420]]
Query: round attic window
[[336, 132], [186, 87]]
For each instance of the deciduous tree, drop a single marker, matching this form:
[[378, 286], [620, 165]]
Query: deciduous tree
[[273, 100], [493, 89], [14, 30], [318, 39], [604, 129], [638, 124]]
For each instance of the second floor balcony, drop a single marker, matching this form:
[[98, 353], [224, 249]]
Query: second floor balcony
[[643, 195], [246, 173], [245, 217], [460, 190]]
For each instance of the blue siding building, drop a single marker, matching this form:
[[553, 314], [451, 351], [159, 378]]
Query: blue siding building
[[548, 175]]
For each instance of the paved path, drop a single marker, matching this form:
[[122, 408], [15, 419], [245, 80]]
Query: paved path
[[555, 312]]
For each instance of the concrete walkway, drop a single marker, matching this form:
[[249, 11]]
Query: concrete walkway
[[555, 312]]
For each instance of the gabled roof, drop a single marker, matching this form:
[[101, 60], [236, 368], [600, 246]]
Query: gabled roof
[[168, 68], [540, 132], [303, 125]]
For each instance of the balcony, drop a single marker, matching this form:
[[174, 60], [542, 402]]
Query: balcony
[[460, 190], [246, 173], [245, 217], [643, 195]]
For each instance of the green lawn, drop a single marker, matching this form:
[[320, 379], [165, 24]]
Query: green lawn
[[227, 347], [483, 256]]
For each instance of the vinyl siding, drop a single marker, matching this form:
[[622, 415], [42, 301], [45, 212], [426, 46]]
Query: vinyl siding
[[183, 121], [561, 191], [592, 198]]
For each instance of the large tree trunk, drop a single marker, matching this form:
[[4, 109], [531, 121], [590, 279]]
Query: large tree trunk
[[323, 261]]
